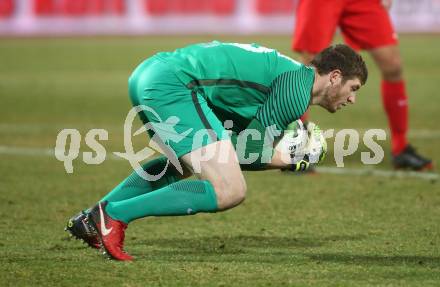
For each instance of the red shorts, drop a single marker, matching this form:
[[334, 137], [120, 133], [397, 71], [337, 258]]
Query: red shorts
[[365, 24]]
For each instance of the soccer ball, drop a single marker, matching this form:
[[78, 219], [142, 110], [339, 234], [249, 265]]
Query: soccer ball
[[305, 145], [294, 141]]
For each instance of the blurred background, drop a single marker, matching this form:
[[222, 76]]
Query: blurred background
[[82, 17]]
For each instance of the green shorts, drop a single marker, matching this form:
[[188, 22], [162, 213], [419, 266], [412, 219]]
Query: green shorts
[[179, 116]]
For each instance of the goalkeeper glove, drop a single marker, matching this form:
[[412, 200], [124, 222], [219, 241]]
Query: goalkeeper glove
[[314, 150]]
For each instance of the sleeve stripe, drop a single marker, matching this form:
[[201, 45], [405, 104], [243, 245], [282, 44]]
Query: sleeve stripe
[[289, 97]]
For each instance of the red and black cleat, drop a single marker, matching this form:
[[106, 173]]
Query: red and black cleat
[[111, 232], [79, 228], [410, 159]]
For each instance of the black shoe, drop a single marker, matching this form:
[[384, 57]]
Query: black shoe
[[410, 159], [79, 228]]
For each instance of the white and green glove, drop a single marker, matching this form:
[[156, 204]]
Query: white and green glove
[[306, 144]]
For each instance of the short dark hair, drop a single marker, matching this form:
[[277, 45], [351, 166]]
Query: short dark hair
[[343, 58]]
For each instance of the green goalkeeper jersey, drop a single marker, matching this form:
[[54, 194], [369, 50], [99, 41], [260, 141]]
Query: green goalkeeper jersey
[[245, 81]]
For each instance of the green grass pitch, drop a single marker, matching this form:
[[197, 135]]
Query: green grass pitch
[[325, 230]]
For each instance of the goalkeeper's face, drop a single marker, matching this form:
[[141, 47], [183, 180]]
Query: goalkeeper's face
[[341, 93]]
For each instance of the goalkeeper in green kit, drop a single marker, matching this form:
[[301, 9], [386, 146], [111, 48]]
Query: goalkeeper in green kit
[[211, 96]]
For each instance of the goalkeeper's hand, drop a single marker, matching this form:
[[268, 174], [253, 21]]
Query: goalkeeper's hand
[[314, 151]]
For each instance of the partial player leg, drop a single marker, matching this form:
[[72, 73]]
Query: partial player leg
[[367, 25], [315, 25], [222, 170], [395, 102], [316, 22], [134, 185], [394, 98], [220, 186]]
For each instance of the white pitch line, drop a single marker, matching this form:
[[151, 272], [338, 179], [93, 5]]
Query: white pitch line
[[377, 172], [27, 151], [30, 151]]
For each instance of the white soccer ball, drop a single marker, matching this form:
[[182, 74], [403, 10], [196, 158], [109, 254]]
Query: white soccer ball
[[293, 142], [304, 144]]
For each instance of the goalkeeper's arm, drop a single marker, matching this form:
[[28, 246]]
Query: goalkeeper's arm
[[294, 151]]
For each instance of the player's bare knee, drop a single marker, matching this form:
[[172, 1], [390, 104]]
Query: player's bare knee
[[391, 69], [392, 73], [229, 193], [235, 195], [239, 191]]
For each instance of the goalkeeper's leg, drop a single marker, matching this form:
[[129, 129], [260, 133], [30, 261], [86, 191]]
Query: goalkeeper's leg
[[220, 186], [134, 185], [220, 183]]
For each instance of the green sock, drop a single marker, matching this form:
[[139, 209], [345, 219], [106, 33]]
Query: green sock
[[134, 185], [180, 198]]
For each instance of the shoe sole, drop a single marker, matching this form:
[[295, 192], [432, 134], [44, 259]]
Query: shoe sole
[[73, 234]]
